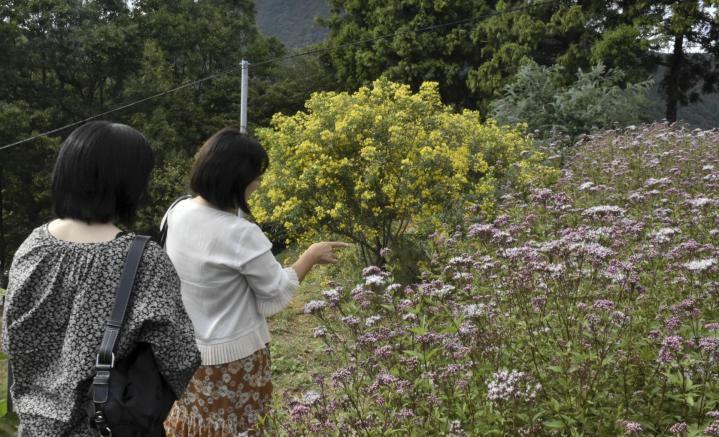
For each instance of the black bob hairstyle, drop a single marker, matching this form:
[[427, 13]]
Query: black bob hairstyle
[[101, 173], [225, 165]]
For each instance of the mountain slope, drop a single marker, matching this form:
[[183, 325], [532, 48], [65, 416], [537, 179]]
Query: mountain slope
[[292, 21]]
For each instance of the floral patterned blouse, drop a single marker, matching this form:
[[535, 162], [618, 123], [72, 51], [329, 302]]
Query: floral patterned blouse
[[59, 297]]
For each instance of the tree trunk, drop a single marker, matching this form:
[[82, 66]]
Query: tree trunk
[[674, 77]]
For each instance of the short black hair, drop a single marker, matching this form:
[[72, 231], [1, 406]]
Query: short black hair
[[225, 165], [101, 173]]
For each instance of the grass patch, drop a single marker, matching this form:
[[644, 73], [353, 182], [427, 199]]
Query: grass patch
[[296, 354], [8, 424]]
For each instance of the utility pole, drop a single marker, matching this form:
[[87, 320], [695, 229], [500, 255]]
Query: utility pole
[[243, 96]]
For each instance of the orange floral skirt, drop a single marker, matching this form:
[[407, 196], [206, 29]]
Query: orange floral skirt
[[224, 400]]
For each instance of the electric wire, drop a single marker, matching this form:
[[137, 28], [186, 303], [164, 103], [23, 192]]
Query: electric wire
[[280, 58]]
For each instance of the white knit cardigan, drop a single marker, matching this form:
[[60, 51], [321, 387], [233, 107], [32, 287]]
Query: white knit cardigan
[[230, 280]]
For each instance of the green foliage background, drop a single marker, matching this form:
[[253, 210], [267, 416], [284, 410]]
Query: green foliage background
[[64, 60], [67, 60], [288, 20], [554, 111]]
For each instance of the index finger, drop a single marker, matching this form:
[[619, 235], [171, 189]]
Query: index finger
[[337, 244]]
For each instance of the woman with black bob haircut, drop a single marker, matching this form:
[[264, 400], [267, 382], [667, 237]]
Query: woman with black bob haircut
[[101, 174], [63, 283], [230, 283], [226, 166]]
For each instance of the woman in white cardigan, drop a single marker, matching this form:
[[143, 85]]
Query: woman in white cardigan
[[230, 283]]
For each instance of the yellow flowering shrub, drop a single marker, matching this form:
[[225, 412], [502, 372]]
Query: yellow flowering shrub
[[366, 165]]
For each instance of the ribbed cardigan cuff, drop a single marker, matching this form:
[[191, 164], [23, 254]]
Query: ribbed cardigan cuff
[[240, 347], [268, 307]]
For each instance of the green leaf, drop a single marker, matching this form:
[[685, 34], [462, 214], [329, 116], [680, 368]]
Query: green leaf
[[554, 424]]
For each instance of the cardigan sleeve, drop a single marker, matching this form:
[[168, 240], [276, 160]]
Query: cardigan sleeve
[[165, 324], [272, 285]]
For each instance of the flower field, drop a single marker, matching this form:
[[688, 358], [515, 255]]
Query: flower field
[[585, 308]]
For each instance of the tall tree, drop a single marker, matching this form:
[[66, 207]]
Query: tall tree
[[77, 53], [62, 60], [65, 60], [444, 55], [688, 26], [186, 40], [24, 178], [474, 60]]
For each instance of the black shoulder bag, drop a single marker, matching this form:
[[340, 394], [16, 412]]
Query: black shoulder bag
[[129, 397]]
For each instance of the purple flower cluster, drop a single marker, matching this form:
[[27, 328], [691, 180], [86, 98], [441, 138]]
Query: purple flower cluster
[[603, 304], [332, 296], [671, 347], [607, 282], [315, 306], [512, 386], [713, 429], [679, 429], [632, 428], [342, 376], [604, 212]]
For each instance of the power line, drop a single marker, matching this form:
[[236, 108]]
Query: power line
[[136, 102], [281, 58]]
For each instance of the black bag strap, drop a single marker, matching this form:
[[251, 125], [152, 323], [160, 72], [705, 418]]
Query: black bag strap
[[163, 225], [105, 356]]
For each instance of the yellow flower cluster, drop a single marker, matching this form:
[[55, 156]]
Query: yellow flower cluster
[[367, 164]]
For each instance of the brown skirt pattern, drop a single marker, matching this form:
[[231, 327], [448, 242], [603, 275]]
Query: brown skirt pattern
[[224, 400]]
